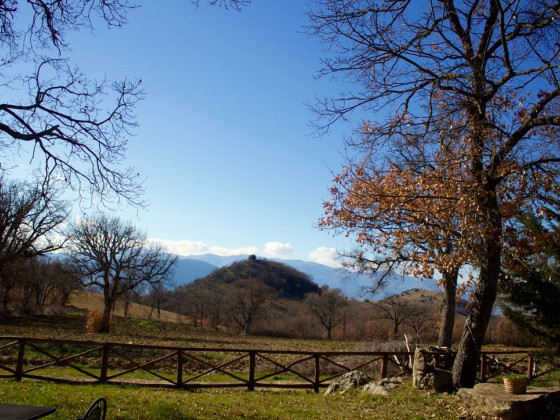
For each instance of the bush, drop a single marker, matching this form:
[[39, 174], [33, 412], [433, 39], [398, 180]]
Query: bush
[[94, 321]]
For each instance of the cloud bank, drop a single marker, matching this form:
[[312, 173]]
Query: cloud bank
[[321, 255], [186, 248]]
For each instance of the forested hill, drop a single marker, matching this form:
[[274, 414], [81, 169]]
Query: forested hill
[[289, 282]]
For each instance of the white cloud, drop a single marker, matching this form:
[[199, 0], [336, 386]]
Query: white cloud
[[278, 249], [233, 251], [186, 248], [326, 256], [321, 255]]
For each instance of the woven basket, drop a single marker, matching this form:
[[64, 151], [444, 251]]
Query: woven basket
[[515, 385]]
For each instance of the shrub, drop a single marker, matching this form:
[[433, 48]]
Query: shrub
[[94, 321]]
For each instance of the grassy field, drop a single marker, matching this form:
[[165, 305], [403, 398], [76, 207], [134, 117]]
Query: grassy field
[[127, 402], [136, 403]]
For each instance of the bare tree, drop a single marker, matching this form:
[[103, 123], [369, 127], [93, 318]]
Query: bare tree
[[157, 296], [328, 307], [74, 129], [34, 283], [396, 310], [30, 218], [247, 299], [67, 280], [421, 320], [43, 284], [196, 301], [114, 257]]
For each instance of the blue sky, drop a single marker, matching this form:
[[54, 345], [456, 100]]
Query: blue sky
[[224, 142]]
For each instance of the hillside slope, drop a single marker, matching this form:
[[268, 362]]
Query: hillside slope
[[351, 284], [287, 281], [83, 299]]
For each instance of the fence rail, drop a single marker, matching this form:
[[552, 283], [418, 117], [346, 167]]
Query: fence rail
[[73, 361]]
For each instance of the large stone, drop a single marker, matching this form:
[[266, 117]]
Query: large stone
[[348, 381], [384, 387], [427, 377], [491, 399], [420, 364]]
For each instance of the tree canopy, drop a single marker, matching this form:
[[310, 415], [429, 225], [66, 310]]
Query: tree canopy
[[74, 130]]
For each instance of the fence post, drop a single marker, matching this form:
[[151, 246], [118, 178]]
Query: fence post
[[21, 356], [251, 384], [530, 364], [384, 364], [104, 362], [317, 375], [179, 368], [482, 367]]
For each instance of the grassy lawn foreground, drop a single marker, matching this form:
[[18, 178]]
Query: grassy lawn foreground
[[136, 403], [152, 403]]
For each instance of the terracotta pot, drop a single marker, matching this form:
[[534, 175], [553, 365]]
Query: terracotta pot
[[515, 385]]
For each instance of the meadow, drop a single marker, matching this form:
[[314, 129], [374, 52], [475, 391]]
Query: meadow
[[128, 402]]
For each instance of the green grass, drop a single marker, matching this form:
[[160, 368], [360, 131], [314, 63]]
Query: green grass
[[145, 403]]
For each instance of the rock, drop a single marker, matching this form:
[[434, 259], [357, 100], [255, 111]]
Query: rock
[[384, 387], [492, 399], [420, 364], [438, 380], [426, 376], [419, 369], [350, 380]]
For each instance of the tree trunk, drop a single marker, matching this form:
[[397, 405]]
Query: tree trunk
[[126, 307], [447, 315], [465, 365], [106, 325], [64, 296], [5, 300], [107, 310]]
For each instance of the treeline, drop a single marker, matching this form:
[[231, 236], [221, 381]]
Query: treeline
[[236, 305], [100, 252], [28, 285], [259, 297]]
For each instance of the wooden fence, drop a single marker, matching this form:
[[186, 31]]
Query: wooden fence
[[73, 361]]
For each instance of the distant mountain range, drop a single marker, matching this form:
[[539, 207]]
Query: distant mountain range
[[194, 267]]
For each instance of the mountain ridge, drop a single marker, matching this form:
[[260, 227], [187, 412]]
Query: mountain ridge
[[192, 267]]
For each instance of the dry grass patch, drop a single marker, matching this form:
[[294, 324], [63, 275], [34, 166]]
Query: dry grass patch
[[83, 299]]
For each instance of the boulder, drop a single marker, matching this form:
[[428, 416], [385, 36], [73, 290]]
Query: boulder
[[346, 382], [492, 399], [384, 387]]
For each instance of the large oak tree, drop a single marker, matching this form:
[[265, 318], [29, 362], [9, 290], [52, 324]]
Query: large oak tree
[[403, 218], [481, 77], [114, 256]]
